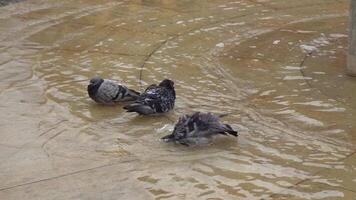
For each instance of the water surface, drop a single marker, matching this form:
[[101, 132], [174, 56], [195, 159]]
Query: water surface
[[277, 68]]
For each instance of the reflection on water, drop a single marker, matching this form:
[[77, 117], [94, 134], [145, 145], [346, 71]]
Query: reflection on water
[[273, 66]]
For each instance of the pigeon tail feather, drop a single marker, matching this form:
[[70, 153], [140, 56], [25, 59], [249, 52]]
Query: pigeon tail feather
[[168, 138], [134, 92], [139, 108], [229, 130]]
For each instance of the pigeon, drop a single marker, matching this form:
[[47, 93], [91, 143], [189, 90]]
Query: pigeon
[[109, 92], [198, 128], [156, 99]]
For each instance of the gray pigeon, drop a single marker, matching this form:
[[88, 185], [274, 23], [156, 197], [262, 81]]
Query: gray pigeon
[[109, 92], [198, 128], [156, 99]]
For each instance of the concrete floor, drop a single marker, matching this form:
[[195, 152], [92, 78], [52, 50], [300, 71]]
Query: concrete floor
[[278, 66]]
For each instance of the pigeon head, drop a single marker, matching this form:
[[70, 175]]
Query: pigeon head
[[169, 84], [94, 86], [96, 80]]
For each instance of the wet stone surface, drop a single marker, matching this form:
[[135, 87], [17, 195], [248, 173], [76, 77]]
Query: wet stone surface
[[277, 66]]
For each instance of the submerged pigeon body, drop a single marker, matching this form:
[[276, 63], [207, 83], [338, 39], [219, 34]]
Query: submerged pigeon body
[[198, 128], [155, 99], [109, 92]]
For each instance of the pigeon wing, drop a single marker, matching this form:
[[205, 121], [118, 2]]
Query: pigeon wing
[[153, 97], [109, 91], [204, 124]]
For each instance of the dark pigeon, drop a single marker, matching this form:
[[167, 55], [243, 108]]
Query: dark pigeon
[[109, 92], [198, 128], [156, 99]]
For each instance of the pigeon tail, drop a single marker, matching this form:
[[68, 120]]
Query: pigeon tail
[[223, 115], [139, 108], [230, 131], [134, 92], [168, 138]]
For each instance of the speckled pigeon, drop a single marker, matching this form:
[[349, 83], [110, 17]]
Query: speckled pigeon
[[198, 128], [155, 99], [109, 92]]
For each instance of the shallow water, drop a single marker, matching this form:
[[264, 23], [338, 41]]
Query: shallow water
[[277, 68]]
